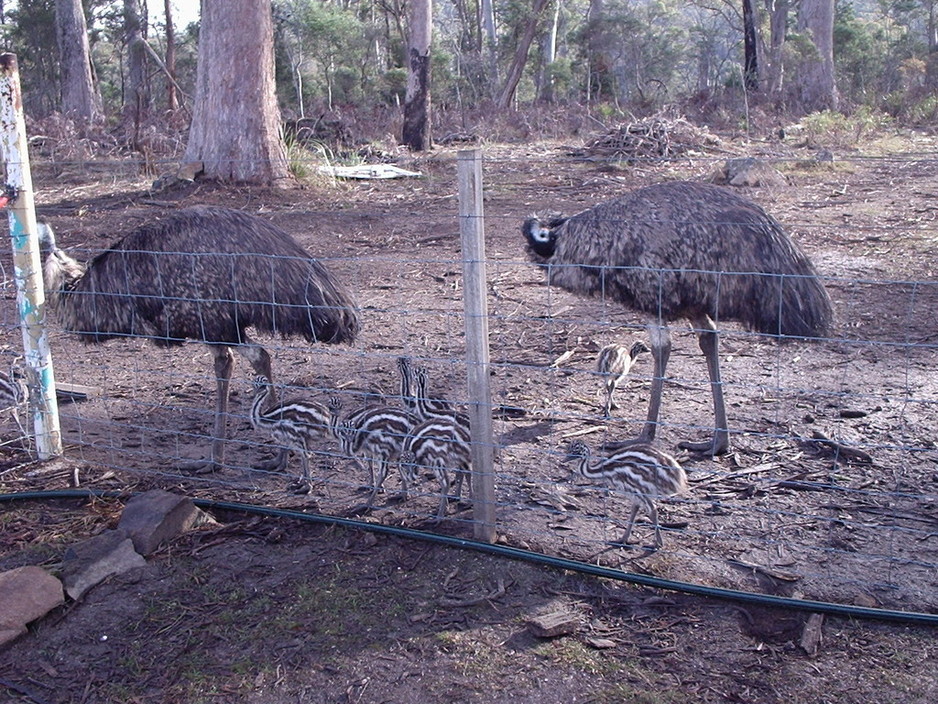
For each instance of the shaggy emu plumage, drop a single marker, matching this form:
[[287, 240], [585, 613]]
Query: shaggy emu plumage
[[686, 250], [205, 274]]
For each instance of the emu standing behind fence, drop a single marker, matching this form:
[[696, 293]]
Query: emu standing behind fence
[[686, 250]]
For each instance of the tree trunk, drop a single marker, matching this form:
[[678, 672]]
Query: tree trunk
[[751, 53], [550, 56], [172, 99], [778, 27], [818, 88], [235, 130], [521, 56], [137, 92], [489, 40], [599, 71], [80, 98], [931, 62], [416, 132]]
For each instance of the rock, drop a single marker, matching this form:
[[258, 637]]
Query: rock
[[558, 623], [157, 516], [91, 561], [747, 171], [26, 593]]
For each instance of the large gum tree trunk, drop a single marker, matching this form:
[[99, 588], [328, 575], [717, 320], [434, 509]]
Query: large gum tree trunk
[[416, 131], [818, 90], [79, 97], [236, 130]]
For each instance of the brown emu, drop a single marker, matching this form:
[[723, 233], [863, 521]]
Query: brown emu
[[686, 250], [206, 274]]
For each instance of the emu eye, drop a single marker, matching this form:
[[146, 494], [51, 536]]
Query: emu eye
[[541, 234]]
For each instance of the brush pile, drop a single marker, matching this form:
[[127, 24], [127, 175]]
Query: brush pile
[[651, 138]]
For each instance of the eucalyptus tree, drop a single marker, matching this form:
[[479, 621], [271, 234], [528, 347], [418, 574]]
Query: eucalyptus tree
[[236, 129]]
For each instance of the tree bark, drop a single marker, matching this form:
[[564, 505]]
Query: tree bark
[[235, 130], [416, 131], [550, 56], [750, 50], [778, 28], [818, 88], [79, 95], [172, 99], [489, 40], [521, 55], [137, 92]]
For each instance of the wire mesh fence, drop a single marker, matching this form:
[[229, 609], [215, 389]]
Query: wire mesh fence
[[828, 490]]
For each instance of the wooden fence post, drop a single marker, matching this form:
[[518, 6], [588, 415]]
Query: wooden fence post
[[27, 265], [475, 287]]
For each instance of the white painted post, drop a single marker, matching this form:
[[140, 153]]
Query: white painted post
[[472, 235], [27, 265]]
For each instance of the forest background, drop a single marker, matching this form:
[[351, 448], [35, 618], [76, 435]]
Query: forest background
[[558, 65]]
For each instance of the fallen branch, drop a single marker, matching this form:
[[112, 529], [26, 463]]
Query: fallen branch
[[839, 449]]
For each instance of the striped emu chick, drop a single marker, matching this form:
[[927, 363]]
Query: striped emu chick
[[13, 392], [377, 436], [640, 471], [613, 364], [429, 408], [408, 397], [441, 445], [293, 425]]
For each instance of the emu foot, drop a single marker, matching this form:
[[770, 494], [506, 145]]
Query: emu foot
[[360, 510], [299, 487], [206, 465], [718, 445], [274, 464]]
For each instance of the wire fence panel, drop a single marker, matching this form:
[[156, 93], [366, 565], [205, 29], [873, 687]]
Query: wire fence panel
[[828, 490]]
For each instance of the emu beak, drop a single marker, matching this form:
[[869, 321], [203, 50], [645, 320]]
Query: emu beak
[[46, 237]]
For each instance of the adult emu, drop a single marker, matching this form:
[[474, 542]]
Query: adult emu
[[686, 250], [205, 274]]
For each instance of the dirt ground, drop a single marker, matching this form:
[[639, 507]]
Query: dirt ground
[[272, 610]]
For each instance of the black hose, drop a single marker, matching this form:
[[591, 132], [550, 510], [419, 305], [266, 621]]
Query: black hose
[[823, 607]]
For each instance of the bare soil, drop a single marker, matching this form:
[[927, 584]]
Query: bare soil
[[273, 610]]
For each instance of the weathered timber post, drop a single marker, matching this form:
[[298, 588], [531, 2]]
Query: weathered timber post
[[475, 303], [27, 265]]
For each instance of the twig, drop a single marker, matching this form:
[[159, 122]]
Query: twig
[[499, 592], [848, 453], [22, 690]]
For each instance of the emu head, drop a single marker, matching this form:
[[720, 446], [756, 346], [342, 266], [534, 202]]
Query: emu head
[[542, 236], [60, 271], [576, 451], [46, 237], [638, 348]]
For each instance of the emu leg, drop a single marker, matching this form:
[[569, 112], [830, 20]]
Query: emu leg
[[224, 364], [660, 352], [709, 341], [624, 540]]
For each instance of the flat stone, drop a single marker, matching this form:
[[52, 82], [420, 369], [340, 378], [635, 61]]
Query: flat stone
[[26, 593], [558, 623], [91, 561], [157, 516]]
